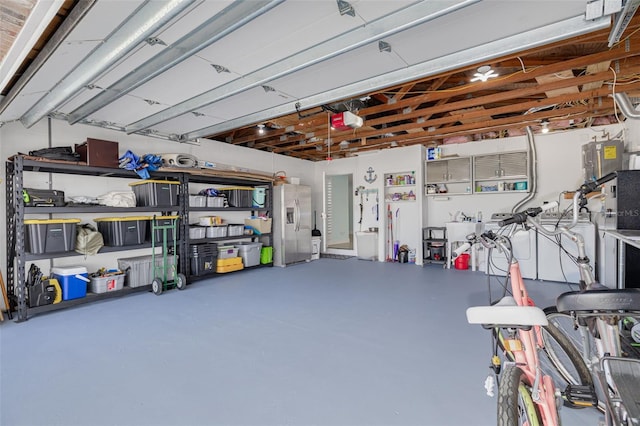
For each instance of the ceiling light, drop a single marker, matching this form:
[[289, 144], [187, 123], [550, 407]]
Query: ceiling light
[[484, 73], [261, 129], [545, 126]]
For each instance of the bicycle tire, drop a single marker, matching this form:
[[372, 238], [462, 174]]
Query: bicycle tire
[[565, 323], [514, 400], [563, 354]]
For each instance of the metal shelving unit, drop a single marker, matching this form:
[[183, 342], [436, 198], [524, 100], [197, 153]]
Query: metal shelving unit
[[223, 181], [16, 211], [433, 236]]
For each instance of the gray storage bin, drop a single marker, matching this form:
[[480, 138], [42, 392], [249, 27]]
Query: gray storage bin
[[239, 196], [139, 270], [250, 253], [155, 193], [164, 221], [50, 235], [106, 284], [123, 231]]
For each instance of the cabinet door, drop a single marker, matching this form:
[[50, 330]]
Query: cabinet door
[[436, 171], [487, 166], [459, 169], [514, 164]]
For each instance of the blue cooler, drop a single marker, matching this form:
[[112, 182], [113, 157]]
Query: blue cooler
[[73, 281]]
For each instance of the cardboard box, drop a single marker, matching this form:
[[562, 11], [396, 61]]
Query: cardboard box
[[260, 226], [98, 153]]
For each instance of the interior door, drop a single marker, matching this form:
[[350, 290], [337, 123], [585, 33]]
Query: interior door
[[338, 212]]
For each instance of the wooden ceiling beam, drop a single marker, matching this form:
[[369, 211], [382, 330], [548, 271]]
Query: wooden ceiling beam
[[613, 54], [481, 101], [601, 93], [495, 125]]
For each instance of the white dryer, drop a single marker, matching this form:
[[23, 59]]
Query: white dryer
[[553, 263], [524, 249]]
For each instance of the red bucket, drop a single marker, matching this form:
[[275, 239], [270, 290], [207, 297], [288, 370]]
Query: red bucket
[[462, 261]]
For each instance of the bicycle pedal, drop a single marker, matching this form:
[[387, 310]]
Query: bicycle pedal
[[580, 396]]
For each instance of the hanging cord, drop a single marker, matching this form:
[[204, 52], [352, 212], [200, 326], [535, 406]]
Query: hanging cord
[[328, 137]]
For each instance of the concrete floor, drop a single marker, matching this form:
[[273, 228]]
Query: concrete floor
[[331, 342]]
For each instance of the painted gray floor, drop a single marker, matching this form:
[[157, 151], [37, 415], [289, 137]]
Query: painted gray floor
[[331, 342]]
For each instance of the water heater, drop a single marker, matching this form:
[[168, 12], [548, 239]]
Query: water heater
[[601, 158]]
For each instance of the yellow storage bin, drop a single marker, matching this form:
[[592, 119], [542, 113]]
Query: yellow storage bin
[[229, 265]]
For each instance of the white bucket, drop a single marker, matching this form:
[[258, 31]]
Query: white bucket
[[259, 195]]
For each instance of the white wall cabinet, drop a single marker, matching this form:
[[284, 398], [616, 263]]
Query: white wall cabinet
[[505, 172], [451, 176]]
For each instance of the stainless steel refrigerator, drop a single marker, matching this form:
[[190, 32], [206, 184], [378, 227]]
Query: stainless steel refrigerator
[[292, 224]]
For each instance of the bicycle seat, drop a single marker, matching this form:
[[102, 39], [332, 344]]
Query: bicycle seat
[[600, 301], [506, 313]]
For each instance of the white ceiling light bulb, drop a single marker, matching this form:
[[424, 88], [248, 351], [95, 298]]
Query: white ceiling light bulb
[[545, 126], [484, 73], [261, 129]]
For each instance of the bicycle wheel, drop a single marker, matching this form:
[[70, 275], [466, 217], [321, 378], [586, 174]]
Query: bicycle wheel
[[515, 405], [565, 323], [563, 353]]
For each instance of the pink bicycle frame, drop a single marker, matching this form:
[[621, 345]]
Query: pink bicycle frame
[[527, 357]]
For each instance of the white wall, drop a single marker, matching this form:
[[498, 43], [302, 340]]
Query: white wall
[[559, 168], [385, 161], [633, 133], [559, 165], [15, 138]]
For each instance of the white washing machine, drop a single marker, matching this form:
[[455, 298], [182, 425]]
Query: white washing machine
[[524, 249], [553, 263]]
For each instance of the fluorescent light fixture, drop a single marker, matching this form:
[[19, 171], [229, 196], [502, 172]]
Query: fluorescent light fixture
[[484, 73]]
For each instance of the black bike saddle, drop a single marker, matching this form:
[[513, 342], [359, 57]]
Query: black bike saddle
[[603, 301]]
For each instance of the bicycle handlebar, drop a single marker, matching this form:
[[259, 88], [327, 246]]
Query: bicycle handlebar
[[472, 238], [588, 187], [521, 217]]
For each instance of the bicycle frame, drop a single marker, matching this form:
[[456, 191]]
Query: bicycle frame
[[526, 357], [524, 348], [603, 328]]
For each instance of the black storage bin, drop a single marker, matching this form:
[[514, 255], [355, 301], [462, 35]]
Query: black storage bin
[[50, 235], [203, 259], [239, 196], [155, 193], [123, 231], [164, 221]]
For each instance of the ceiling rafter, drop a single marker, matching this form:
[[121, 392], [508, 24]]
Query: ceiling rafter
[[468, 103]]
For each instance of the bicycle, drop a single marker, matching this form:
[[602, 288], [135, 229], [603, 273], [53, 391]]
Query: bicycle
[[526, 395], [590, 319]]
